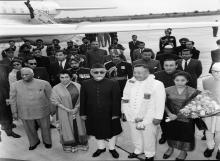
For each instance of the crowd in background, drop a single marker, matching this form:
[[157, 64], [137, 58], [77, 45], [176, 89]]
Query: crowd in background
[[69, 72]]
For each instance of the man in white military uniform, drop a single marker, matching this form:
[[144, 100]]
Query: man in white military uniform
[[143, 104], [212, 84]]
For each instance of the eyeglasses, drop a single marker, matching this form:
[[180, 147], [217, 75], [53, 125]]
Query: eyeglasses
[[33, 63], [97, 72]]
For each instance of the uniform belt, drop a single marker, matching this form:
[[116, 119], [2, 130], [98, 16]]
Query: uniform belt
[[119, 78]]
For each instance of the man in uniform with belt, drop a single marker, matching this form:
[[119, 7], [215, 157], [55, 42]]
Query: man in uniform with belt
[[79, 74], [119, 70]]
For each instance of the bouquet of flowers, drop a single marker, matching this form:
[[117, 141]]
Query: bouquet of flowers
[[201, 104]]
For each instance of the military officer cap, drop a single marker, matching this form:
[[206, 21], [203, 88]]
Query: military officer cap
[[56, 40], [183, 40]]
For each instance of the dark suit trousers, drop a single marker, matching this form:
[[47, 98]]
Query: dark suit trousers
[[44, 124], [163, 125]]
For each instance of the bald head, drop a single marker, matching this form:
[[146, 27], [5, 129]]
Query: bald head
[[27, 74]]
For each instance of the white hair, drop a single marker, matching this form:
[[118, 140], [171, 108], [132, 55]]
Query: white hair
[[27, 69]]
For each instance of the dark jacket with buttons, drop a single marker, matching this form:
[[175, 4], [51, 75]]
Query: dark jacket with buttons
[[100, 101]]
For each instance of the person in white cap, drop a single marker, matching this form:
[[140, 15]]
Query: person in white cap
[[213, 123]]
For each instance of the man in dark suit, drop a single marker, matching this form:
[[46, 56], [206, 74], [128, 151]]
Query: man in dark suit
[[11, 46], [116, 45], [194, 51], [133, 45], [56, 67], [137, 52], [192, 66], [85, 46], [42, 61], [95, 55], [39, 72], [153, 65], [215, 55], [9, 57]]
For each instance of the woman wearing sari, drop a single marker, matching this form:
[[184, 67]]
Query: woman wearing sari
[[180, 131], [65, 96]]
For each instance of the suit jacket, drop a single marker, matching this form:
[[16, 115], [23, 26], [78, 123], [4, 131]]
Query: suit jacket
[[194, 68], [133, 46], [32, 102], [6, 61], [43, 61], [154, 65], [55, 71], [137, 54], [96, 56], [84, 48], [152, 102], [39, 73], [195, 53], [215, 55]]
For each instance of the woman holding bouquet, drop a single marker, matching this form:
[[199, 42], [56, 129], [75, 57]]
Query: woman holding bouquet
[[180, 130], [65, 96]]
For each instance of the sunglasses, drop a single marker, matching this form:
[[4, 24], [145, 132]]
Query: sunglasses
[[33, 63], [97, 72]]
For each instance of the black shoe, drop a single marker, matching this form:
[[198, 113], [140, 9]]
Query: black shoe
[[162, 140], [218, 155], [208, 152], [98, 152], [149, 159], [13, 134], [48, 146], [132, 155], [114, 153], [35, 146], [203, 138], [52, 126], [166, 156]]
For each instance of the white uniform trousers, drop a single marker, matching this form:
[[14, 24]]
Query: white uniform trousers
[[111, 143], [144, 140], [212, 139]]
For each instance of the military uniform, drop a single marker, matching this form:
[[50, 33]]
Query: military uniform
[[167, 40], [80, 74], [123, 72]]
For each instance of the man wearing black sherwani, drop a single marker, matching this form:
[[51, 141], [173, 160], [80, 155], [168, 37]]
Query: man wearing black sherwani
[[100, 107]]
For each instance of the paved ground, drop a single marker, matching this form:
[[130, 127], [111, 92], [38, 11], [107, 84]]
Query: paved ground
[[18, 148]]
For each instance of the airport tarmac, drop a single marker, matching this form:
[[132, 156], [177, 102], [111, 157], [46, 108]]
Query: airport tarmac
[[18, 148]]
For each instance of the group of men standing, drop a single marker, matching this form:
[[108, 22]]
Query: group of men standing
[[115, 84]]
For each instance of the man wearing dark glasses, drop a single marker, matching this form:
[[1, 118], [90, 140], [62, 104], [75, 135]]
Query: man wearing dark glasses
[[39, 72], [100, 107]]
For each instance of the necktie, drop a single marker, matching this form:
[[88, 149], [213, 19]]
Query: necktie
[[185, 67], [60, 64]]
